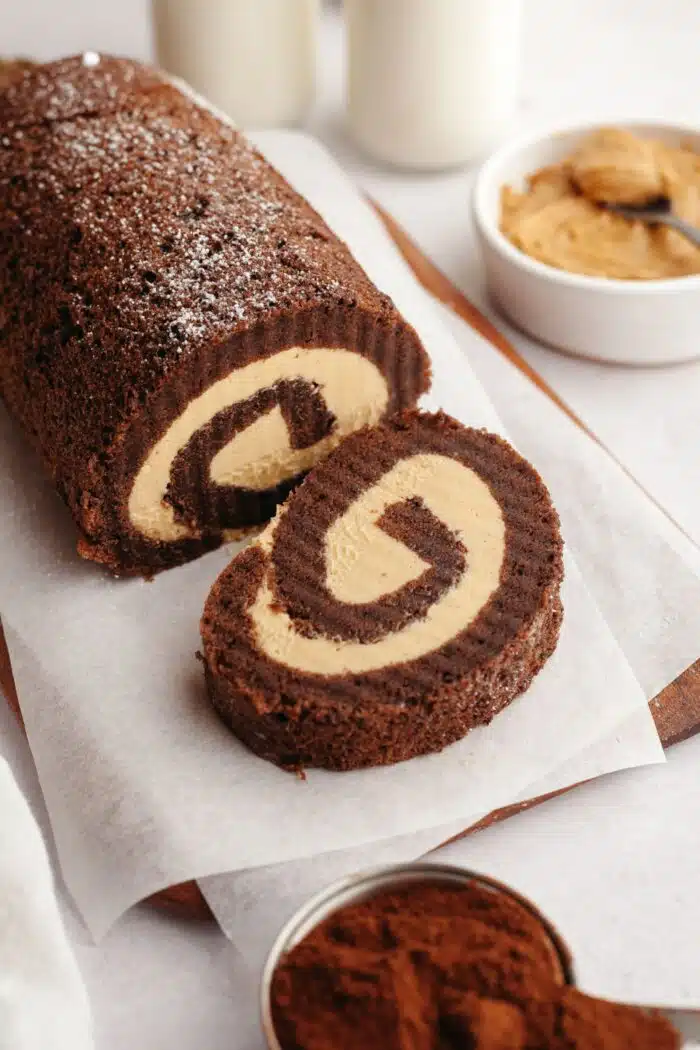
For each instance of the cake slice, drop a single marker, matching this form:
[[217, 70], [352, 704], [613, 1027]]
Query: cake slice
[[181, 335], [405, 593]]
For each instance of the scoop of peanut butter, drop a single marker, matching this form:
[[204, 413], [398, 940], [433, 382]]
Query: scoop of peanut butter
[[560, 218], [615, 167]]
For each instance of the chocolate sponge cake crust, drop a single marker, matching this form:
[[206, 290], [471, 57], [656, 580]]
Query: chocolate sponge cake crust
[[369, 717], [147, 251]]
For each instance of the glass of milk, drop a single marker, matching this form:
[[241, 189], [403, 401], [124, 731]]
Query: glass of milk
[[432, 83], [254, 59]]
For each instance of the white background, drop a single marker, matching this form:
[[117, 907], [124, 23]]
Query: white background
[[156, 984]]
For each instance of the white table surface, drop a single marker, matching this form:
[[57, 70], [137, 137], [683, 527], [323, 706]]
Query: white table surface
[[161, 985]]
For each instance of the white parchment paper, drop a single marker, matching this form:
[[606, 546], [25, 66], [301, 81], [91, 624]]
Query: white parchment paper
[[640, 568], [143, 785], [252, 906], [648, 418]]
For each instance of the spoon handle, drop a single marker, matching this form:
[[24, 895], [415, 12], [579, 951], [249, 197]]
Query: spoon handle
[[687, 229]]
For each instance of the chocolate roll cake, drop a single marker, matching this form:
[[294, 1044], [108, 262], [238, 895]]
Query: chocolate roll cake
[[11, 69], [405, 593], [181, 335]]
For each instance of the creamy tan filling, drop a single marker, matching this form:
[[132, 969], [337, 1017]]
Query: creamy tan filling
[[360, 567], [557, 218], [261, 456]]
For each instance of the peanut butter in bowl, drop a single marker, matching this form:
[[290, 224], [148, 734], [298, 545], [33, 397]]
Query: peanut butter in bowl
[[560, 218]]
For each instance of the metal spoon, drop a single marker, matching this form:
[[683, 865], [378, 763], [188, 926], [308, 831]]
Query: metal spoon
[[657, 213]]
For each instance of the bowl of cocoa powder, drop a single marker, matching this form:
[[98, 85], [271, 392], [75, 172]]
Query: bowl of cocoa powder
[[431, 957]]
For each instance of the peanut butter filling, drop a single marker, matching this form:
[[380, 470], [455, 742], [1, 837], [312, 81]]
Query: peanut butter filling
[[261, 456], [560, 219], [364, 564]]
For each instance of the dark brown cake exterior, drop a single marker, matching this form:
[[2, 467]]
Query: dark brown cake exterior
[[11, 69], [405, 593], [181, 335]]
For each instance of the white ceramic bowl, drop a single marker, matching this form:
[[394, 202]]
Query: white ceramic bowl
[[628, 322]]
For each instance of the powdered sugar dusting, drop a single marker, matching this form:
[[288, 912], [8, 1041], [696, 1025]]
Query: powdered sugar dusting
[[178, 231], [83, 84]]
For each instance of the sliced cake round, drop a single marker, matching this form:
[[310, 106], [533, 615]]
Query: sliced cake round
[[405, 593]]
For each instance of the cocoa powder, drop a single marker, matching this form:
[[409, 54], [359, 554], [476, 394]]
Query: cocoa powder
[[436, 967]]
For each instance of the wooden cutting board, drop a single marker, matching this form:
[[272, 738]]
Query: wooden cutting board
[[676, 710]]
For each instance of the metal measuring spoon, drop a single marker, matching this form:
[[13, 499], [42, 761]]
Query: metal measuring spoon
[[658, 212]]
